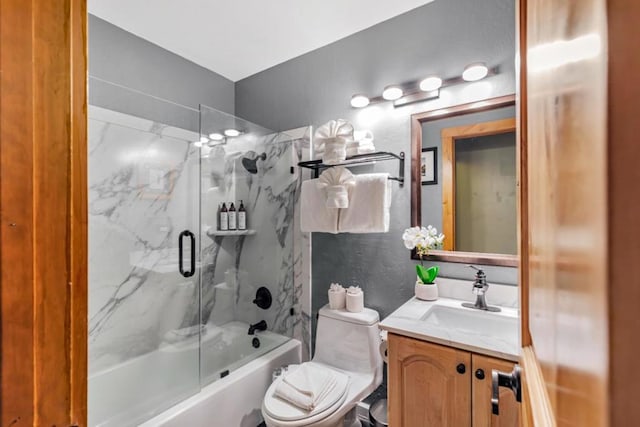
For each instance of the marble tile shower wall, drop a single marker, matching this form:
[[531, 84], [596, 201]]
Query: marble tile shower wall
[[144, 189]]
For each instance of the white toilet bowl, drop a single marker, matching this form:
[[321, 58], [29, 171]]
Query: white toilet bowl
[[348, 345]]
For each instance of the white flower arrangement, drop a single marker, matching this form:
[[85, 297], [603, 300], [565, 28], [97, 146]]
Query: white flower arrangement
[[422, 239]]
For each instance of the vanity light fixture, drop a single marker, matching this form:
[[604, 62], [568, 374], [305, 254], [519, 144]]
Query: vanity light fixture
[[474, 72], [392, 92], [232, 132], [430, 83], [359, 101], [216, 136], [425, 89]]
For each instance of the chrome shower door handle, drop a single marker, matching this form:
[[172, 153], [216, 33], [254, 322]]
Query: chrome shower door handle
[[192, 268], [501, 379]]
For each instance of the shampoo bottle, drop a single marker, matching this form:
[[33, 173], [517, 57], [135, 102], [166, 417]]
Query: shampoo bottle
[[233, 225], [224, 218], [242, 217]]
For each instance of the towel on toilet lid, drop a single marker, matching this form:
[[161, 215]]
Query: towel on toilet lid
[[306, 386]]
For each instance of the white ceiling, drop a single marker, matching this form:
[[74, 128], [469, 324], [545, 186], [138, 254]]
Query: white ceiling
[[238, 38]]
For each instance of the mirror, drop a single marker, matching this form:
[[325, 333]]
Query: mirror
[[464, 180]]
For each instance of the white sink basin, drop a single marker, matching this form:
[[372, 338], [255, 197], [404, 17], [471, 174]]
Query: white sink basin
[[470, 321]]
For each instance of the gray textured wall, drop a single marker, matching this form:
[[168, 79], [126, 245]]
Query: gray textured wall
[[441, 37], [133, 76]]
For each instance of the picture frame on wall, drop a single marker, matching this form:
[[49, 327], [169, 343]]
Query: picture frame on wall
[[429, 166]]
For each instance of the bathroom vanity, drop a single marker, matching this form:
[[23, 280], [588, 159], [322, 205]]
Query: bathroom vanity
[[441, 357]]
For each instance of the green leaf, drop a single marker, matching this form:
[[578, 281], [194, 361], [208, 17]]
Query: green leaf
[[427, 275]]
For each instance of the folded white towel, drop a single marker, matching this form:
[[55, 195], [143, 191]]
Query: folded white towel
[[315, 216], [331, 139], [363, 135], [306, 386], [336, 182], [369, 202], [367, 149]]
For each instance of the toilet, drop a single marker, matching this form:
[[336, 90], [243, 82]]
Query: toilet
[[347, 344]]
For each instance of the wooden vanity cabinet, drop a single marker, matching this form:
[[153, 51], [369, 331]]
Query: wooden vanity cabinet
[[435, 385], [481, 394]]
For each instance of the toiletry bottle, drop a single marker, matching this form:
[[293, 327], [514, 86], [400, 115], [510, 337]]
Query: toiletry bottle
[[242, 217], [224, 218], [233, 225], [218, 212]]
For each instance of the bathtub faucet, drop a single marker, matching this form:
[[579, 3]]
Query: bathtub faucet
[[260, 326]]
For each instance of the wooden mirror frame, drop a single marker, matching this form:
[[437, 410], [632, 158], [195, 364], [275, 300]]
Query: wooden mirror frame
[[416, 188]]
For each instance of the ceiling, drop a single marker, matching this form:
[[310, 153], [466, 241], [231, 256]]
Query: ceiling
[[238, 38]]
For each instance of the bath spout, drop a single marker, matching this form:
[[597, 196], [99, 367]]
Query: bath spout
[[260, 326]]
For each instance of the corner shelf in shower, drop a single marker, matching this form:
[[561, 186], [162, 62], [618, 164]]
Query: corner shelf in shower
[[220, 233], [358, 160]]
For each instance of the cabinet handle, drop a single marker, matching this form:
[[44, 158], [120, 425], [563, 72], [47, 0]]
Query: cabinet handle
[[479, 374], [501, 379], [461, 368]]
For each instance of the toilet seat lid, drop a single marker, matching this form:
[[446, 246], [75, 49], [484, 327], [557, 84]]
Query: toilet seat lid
[[285, 411]]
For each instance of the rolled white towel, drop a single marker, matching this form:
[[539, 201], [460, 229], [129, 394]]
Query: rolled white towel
[[336, 183]]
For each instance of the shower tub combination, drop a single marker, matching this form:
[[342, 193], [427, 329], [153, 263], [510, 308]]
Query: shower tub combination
[[171, 299], [232, 367]]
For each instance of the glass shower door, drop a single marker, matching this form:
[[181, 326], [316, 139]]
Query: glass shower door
[[144, 306], [248, 286]]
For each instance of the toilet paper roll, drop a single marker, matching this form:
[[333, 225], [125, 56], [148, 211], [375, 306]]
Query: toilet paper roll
[[383, 351], [337, 299], [355, 302]]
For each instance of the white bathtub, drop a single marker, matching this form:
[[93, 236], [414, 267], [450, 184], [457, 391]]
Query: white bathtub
[[130, 393]]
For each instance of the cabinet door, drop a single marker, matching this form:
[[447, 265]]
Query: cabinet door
[[429, 384], [481, 394]]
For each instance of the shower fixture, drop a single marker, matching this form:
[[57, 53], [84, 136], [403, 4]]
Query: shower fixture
[[251, 164]]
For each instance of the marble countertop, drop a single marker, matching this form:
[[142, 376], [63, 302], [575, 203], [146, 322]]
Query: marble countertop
[[408, 320]]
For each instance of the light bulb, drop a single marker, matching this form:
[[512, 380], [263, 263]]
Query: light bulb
[[359, 101], [474, 72], [216, 136], [232, 132], [431, 83], [391, 93]]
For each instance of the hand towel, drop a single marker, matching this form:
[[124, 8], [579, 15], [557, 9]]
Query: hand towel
[[369, 202], [335, 182], [331, 139], [315, 216], [306, 386]]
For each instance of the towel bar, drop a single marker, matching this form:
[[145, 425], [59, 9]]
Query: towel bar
[[361, 159]]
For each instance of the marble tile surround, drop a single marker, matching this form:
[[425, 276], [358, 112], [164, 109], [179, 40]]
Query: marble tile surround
[[143, 191]]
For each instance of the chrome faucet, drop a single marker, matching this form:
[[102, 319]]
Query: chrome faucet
[[480, 287]]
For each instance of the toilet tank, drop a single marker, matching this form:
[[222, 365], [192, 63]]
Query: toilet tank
[[349, 341]]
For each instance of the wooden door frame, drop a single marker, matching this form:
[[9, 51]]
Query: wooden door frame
[[43, 212], [448, 139]]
